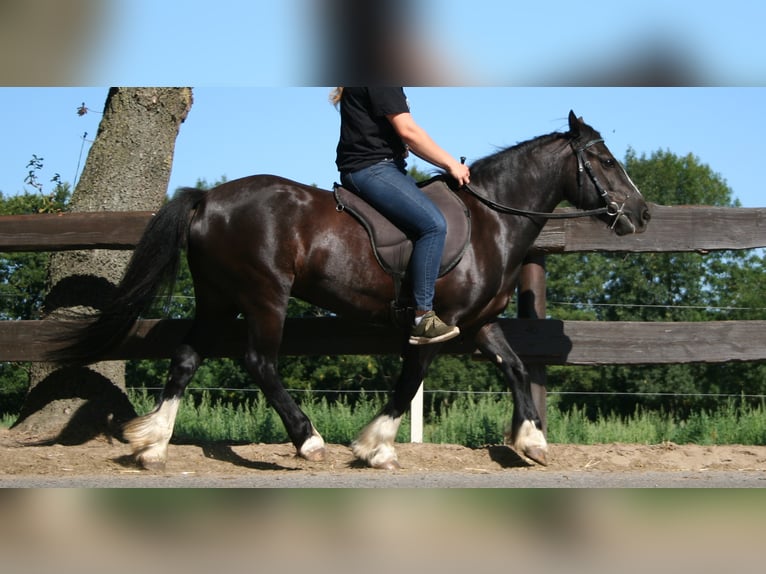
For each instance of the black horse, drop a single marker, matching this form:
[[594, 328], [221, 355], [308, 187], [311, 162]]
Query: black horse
[[253, 243]]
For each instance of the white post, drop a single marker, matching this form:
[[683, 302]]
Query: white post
[[416, 416]]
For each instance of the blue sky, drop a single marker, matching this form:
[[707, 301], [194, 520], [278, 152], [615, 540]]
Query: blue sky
[[234, 132], [488, 42], [252, 63]]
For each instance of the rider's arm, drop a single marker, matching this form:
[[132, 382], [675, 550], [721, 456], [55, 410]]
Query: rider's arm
[[421, 144]]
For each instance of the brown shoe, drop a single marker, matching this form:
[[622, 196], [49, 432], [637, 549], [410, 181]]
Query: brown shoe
[[431, 329]]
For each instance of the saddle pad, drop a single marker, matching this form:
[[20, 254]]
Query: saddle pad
[[391, 246]]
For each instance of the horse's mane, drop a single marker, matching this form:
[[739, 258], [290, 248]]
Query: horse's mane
[[500, 160]]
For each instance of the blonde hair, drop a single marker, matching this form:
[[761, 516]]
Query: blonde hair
[[335, 96]]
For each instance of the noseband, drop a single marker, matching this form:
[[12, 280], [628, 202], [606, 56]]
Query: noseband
[[612, 208]]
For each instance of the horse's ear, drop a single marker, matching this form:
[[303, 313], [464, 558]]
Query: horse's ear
[[574, 124]]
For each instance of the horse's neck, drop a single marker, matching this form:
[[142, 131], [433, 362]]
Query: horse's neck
[[533, 181], [536, 188]]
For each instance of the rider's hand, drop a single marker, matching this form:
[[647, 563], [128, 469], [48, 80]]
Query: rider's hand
[[460, 172]]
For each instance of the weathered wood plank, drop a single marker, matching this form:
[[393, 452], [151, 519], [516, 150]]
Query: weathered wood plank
[[637, 343], [156, 339], [538, 341], [66, 231], [673, 228]]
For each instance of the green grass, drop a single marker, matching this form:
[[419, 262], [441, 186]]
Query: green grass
[[468, 420], [7, 420], [732, 423]]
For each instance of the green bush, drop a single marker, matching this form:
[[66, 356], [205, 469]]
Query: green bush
[[469, 420]]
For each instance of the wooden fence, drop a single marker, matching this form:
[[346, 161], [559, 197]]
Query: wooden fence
[[538, 341]]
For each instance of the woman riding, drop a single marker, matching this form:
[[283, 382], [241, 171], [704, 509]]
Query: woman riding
[[376, 132]]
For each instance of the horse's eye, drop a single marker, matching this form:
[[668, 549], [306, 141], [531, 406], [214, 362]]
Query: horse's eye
[[608, 162]]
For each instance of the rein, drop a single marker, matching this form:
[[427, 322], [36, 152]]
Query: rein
[[611, 208]]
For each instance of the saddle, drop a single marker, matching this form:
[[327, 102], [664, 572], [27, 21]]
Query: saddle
[[391, 246]]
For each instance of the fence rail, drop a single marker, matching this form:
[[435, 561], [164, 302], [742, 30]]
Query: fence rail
[[538, 341], [676, 228]]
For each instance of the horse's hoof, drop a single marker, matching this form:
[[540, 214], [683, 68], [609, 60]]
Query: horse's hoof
[[317, 455], [537, 454], [314, 448], [529, 442]]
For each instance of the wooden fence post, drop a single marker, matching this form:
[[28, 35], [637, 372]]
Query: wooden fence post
[[531, 305]]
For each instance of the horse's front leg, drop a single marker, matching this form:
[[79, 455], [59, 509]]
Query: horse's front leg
[[526, 431], [375, 443]]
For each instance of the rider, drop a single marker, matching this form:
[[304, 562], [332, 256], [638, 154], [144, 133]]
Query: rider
[[376, 132]]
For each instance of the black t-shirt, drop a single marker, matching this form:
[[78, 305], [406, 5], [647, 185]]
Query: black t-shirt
[[366, 135]]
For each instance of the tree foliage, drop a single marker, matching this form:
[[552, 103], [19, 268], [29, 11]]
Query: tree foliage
[[659, 287]]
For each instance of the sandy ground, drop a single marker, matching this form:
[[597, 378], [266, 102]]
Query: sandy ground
[[21, 456]]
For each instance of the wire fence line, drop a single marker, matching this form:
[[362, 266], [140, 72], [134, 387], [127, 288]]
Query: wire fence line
[[478, 393], [653, 306], [580, 305]]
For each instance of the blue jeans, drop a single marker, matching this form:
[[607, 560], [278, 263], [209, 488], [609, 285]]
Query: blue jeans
[[389, 189]]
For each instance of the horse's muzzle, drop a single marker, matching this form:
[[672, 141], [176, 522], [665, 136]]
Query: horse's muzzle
[[627, 222]]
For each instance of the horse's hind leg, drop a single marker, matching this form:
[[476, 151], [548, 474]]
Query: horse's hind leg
[[375, 443], [525, 434], [149, 435], [308, 442]]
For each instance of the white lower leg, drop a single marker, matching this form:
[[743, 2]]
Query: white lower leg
[[375, 444], [530, 441], [150, 434], [314, 448]]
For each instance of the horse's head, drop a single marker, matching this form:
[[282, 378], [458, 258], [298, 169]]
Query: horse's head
[[603, 182]]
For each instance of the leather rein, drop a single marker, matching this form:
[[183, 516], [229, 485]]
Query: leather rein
[[612, 208]]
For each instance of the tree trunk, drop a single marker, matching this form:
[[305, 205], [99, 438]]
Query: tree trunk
[[127, 169]]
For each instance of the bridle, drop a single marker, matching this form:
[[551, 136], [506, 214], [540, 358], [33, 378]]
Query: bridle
[[612, 208]]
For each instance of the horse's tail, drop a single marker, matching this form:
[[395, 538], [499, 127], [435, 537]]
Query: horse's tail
[[152, 267]]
